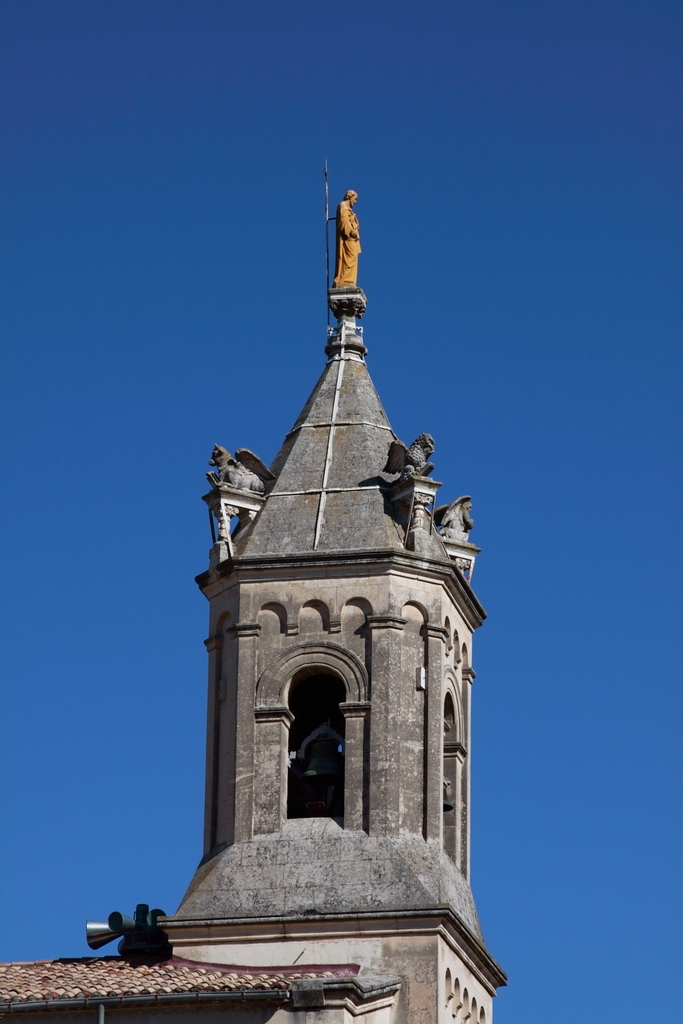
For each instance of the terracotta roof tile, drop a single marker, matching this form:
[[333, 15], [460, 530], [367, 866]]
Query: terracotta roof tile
[[103, 977]]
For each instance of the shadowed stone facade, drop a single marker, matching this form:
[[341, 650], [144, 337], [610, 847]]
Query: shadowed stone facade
[[334, 603]]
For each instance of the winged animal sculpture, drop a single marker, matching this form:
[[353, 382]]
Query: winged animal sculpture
[[245, 471], [455, 519], [411, 461]]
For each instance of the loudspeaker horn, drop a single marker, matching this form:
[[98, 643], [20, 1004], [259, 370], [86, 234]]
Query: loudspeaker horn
[[119, 923], [98, 934]]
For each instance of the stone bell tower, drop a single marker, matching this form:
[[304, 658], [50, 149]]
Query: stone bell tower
[[337, 824]]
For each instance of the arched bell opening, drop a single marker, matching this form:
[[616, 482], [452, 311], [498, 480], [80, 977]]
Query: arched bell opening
[[453, 752], [449, 781], [315, 778]]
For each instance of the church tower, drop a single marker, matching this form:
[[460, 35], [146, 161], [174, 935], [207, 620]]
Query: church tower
[[341, 614]]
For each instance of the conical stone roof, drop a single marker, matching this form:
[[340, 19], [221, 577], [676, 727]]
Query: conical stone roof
[[328, 495]]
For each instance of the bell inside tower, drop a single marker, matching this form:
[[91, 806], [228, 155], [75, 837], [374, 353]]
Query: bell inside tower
[[315, 779]]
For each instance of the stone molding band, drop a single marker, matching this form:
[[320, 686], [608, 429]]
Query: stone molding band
[[247, 628], [340, 423], [214, 643], [435, 632], [276, 713], [385, 622], [272, 688], [355, 708], [318, 490]]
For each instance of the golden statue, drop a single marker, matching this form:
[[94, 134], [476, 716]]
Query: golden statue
[[348, 243]]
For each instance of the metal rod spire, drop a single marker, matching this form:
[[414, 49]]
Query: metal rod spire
[[327, 241]]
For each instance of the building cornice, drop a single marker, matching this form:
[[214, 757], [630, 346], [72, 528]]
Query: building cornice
[[187, 932], [248, 569]]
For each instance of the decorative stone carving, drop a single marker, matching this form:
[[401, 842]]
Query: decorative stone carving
[[226, 502], [455, 522], [411, 499], [237, 489], [246, 472], [225, 513], [454, 519], [349, 303], [463, 554], [420, 519], [411, 461], [346, 339]]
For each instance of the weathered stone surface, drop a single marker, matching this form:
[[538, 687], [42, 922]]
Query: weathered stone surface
[[329, 489], [304, 469], [350, 513], [358, 399], [314, 867]]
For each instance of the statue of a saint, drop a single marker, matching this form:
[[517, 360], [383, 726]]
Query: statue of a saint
[[348, 243]]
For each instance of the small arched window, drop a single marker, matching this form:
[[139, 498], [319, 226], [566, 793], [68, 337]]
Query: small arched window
[[456, 1004]]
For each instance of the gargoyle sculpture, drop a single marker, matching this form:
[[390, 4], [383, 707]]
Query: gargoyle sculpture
[[245, 471], [411, 461], [454, 519]]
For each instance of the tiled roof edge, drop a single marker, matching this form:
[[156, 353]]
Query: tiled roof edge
[[164, 998]]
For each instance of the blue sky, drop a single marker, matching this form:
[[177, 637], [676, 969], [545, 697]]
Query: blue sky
[[519, 167]]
